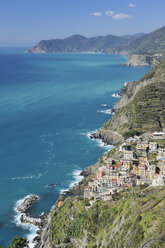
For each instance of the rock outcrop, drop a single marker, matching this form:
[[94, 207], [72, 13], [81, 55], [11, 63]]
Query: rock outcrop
[[24, 219], [144, 60], [107, 136], [27, 203]]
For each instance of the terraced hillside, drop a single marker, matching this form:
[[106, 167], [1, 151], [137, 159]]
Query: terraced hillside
[[142, 105]]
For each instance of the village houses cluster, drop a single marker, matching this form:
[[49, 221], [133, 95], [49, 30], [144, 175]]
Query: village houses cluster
[[144, 163]]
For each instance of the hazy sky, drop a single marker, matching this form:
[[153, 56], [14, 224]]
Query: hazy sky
[[25, 22]]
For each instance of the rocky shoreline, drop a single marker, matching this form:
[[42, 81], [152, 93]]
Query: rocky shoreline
[[108, 137], [24, 219]]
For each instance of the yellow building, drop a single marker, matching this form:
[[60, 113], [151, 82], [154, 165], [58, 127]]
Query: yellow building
[[128, 165], [136, 170]]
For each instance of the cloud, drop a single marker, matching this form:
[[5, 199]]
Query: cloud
[[109, 13], [119, 16], [132, 5], [97, 14]]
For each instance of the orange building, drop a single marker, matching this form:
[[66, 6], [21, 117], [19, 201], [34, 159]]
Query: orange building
[[60, 203]]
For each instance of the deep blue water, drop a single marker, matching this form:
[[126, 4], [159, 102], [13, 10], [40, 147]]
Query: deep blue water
[[48, 103]]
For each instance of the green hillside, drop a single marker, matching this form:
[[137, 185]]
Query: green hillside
[[135, 217], [151, 43]]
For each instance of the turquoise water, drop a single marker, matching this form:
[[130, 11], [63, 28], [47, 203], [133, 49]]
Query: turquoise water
[[48, 103]]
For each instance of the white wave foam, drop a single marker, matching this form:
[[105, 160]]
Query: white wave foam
[[116, 95], [62, 191], [103, 145], [27, 177], [88, 134], [31, 238], [99, 142], [104, 105], [106, 111], [77, 177], [31, 227]]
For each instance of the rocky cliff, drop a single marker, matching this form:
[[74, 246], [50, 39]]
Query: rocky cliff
[[43, 241], [107, 136], [144, 60]]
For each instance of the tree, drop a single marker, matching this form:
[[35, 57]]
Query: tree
[[19, 242]]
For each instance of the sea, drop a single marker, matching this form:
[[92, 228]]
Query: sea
[[49, 103]]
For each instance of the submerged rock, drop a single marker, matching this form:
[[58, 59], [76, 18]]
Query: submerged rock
[[50, 186]]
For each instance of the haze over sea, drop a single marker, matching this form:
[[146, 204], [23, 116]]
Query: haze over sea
[[48, 103]]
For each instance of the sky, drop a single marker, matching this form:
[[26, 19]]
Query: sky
[[26, 22]]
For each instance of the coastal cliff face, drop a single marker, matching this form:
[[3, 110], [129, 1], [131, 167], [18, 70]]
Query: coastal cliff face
[[141, 107], [44, 237], [135, 218], [126, 93], [39, 48]]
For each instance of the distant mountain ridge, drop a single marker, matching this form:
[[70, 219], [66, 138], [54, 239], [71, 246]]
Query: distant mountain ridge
[[134, 35], [151, 43], [143, 49], [79, 43]]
